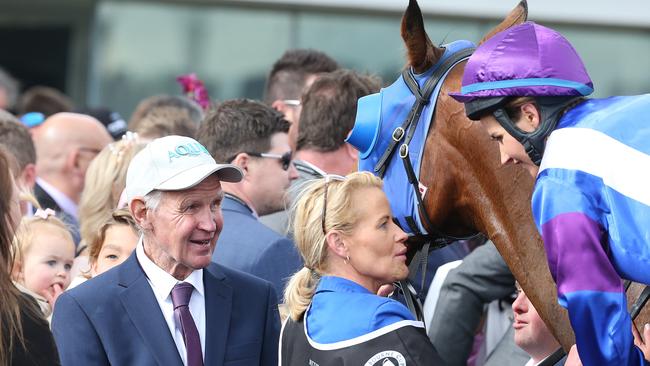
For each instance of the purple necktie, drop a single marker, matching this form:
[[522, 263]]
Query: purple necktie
[[181, 294]]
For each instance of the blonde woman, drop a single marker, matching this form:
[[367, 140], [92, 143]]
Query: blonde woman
[[105, 180], [351, 247]]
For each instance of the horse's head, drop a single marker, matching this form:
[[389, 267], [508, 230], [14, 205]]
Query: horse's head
[[467, 188], [460, 164]]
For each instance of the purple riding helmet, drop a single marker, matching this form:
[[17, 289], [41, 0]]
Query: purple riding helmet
[[527, 60]]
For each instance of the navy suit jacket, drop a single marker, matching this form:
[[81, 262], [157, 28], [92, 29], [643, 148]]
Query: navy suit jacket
[[115, 319], [250, 246]]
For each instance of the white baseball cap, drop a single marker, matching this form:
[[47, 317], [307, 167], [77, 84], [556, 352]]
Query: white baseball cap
[[174, 163]]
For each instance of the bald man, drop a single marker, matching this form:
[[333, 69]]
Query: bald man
[[65, 144]]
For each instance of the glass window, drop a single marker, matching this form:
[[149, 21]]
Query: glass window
[[140, 48]]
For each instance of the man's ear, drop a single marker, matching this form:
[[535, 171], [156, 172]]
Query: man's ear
[[139, 210], [336, 244], [280, 106], [28, 176], [73, 161], [242, 160], [530, 115]]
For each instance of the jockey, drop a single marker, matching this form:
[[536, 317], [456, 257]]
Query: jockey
[[591, 203]]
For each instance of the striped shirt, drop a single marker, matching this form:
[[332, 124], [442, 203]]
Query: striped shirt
[[591, 204]]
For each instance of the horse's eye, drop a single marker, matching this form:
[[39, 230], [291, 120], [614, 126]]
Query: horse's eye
[[496, 138]]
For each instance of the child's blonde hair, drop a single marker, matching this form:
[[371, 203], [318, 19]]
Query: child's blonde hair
[[24, 236]]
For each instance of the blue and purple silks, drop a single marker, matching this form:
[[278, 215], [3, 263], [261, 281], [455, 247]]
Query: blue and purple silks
[[591, 201], [591, 204]]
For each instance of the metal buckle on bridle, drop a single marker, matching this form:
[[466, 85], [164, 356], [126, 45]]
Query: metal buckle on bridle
[[404, 151], [398, 133]]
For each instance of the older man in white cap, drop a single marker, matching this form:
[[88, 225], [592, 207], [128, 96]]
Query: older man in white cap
[[168, 304]]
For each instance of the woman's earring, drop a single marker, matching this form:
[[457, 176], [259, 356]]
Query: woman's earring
[[347, 259]]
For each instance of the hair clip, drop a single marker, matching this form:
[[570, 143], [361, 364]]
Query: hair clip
[[128, 139], [44, 214], [130, 136], [194, 89]]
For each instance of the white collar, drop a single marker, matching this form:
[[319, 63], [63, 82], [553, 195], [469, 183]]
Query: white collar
[[65, 203], [162, 282], [316, 170]]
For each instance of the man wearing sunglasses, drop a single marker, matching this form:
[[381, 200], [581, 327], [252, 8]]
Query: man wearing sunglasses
[[254, 137]]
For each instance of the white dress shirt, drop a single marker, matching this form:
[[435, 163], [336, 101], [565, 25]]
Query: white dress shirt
[[162, 284], [532, 363]]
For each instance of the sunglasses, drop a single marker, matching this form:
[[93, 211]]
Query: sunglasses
[[292, 102], [285, 159], [328, 179]]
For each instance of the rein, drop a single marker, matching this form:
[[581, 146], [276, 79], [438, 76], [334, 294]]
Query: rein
[[640, 301]]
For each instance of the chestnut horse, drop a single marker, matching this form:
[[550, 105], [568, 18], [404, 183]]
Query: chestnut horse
[[469, 190]]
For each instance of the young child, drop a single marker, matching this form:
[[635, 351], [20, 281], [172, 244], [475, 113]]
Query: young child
[[116, 241], [44, 251]]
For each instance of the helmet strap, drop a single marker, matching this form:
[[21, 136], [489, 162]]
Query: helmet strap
[[550, 109]]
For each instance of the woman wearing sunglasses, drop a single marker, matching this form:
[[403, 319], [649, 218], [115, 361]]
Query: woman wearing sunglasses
[[351, 247]]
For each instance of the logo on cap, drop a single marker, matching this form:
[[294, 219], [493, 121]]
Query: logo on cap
[[190, 149]]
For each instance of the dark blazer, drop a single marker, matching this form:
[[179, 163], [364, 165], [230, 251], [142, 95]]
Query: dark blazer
[[115, 319], [46, 201], [249, 246]]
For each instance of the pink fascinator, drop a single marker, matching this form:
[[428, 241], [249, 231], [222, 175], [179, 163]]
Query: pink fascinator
[[194, 89]]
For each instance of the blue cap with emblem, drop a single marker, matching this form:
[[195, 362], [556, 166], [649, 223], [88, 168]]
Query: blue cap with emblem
[[174, 163]]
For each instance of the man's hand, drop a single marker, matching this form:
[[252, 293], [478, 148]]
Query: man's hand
[[639, 341]]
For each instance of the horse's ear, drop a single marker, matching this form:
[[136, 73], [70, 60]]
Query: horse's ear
[[421, 53], [517, 16]]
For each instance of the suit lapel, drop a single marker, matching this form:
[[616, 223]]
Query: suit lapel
[[44, 199], [144, 311], [218, 308]]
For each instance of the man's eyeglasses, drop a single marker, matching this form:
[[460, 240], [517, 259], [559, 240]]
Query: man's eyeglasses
[[328, 179], [291, 102], [285, 159]]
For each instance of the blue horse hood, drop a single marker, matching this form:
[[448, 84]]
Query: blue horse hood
[[378, 115]]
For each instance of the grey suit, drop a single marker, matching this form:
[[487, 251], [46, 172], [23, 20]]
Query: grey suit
[[481, 278]]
